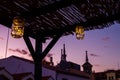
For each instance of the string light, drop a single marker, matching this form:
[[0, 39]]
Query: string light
[[79, 30], [17, 30]]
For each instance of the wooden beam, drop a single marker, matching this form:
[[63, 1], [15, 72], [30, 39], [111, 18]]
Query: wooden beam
[[30, 47], [92, 22], [51, 7], [38, 47], [50, 45]]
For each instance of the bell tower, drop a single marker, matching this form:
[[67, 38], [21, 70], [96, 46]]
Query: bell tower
[[87, 67]]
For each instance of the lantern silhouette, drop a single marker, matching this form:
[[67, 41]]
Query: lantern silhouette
[[17, 30], [79, 30]]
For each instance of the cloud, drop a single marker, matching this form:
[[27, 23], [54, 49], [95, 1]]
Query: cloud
[[97, 65], [1, 38], [106, 38], [18, 50], [13, 50], [49, 55], [29, 55], [94, 55], [23, 51]]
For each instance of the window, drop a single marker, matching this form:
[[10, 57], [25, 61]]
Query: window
[[64, 79], [29, 79], [3, 77], [111, 78]]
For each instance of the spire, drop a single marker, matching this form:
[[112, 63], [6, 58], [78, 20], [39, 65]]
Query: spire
[[86, 57], [63, 53], [87, 67]]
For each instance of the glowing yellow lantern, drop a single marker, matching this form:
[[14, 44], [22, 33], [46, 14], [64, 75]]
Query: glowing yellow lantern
[[79, 32], [17, 27]]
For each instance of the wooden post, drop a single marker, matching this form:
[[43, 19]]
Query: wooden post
[[38, 55], [38, 70], [38, 61]]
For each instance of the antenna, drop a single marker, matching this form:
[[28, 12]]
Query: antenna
[[7, 43]]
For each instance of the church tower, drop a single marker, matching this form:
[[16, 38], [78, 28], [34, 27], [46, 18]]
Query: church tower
[[64, 64], [87, 67]]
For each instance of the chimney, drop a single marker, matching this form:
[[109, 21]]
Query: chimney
[[51, 61]]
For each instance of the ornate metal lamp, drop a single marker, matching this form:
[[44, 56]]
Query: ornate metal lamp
[[79, 30], [17, 30]]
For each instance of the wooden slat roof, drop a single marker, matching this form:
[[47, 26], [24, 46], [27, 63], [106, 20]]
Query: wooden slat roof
[[46, 18]]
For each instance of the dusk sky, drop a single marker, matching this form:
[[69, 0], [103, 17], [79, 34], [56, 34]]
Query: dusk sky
[[103, 46]]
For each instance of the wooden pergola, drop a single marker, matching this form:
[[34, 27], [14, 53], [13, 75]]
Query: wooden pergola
[[52, 19]]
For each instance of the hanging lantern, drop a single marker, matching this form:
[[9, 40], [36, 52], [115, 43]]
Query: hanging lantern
[[79, 32], [17, 27]]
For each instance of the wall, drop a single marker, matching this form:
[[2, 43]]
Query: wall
[[60, 76]]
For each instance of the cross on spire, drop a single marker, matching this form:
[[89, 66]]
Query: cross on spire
[[87, 57]]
